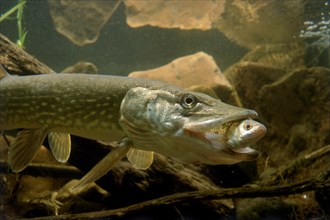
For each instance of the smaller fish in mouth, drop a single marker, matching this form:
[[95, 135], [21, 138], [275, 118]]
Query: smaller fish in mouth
[[245, 133], [234, 138]]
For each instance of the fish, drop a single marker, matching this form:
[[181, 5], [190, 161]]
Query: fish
[[245, 133], [143, 116], [237, 136]]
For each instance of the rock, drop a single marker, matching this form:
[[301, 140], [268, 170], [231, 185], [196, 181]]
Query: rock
[[294, 106], [281, 98], [297, 96], [190, 71], [288, 56], [248, 78], [82, 67], [173, 14], [248, 23], [254, 23], [300, 109], [81, 30], [205, 89]]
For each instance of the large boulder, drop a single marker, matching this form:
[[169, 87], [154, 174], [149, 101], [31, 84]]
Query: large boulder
[[198, 72], [81, 30]]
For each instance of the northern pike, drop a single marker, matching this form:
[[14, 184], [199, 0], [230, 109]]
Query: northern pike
[[144, 116]]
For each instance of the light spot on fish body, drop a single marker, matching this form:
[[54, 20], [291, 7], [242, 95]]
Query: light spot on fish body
[[32, 109], [93, 123], [62, 118], [92, 113], [22, 111], [25, 105], [102, 105]]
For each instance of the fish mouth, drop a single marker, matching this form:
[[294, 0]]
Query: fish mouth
[[244, 153], [213, 132]]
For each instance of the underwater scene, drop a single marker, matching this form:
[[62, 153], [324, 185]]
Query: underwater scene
[[165, 109]]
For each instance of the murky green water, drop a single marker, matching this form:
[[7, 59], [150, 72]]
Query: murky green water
[[266, 55]]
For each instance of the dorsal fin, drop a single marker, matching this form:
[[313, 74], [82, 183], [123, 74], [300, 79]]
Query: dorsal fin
[[3, 72]]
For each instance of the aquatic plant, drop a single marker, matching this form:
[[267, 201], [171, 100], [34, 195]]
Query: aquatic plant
[[19, 17]]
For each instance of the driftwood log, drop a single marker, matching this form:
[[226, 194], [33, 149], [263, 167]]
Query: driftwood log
[[166, 188]]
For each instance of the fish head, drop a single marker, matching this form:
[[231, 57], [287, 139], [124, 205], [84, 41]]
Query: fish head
[[187, 126], [245, 133]]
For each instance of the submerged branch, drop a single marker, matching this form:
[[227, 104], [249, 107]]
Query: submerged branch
[[46, 170], [265, 191], [19, 62], [291, 168]]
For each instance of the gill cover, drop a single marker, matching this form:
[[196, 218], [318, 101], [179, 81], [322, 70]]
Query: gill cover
[[146, 114]]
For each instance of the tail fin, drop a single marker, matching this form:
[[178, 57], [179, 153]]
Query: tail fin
[[3, 72]]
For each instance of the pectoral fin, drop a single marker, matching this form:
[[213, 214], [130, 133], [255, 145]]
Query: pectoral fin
[[24, 147], [60, 145], [102, 167], [140, 159]]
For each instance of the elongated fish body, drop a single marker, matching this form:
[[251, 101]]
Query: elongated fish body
[[79, 104], [144, 116]]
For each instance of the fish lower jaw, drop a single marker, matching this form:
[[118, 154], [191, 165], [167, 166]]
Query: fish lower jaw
[[247, 152], [244, 150]]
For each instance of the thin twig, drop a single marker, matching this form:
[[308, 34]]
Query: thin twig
[[290, 168], [287, 189]]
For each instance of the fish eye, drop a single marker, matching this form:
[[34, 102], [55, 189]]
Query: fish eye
[[248, 126], [188, 100]]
